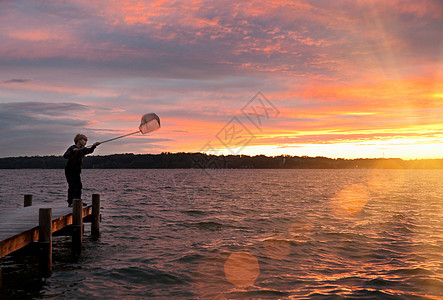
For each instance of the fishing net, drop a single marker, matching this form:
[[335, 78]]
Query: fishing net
[[149, 122]]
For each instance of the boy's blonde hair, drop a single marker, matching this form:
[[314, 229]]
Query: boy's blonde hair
[[79, 137]]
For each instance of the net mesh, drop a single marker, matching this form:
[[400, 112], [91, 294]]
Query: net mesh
[[149, 122]]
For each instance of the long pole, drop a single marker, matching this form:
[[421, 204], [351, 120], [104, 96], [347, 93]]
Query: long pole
[[119, 137]]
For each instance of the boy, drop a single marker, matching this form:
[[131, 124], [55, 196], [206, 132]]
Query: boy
[[75, 155]]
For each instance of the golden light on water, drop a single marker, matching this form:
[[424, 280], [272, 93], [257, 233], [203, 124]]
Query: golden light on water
[[351, 199], [300, 231], [241, 269], [385, 182]]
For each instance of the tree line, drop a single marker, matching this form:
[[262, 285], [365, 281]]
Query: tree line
[[200, 160]]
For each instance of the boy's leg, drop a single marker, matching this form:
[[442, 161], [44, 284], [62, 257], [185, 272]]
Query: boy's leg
[[74, 187], [70, 195], [77, 187], [70, 180]]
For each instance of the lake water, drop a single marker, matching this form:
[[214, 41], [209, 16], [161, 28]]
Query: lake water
[[241, 234]]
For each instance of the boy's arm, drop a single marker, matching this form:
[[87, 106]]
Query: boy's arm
[[68, 153], [91, 149]]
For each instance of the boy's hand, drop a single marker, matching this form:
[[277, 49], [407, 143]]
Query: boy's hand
[[96, 144]]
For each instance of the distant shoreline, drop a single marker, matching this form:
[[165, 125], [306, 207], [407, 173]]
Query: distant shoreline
[[205, 161]]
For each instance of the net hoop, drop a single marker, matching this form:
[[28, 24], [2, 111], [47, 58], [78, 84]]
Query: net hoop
[[149, 123]]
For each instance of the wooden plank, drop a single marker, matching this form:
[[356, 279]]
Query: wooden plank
[[31, 212], [18, 241], [19, 228]]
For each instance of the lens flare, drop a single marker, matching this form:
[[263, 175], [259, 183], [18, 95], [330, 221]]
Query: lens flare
[[242, 269], [351, 199]]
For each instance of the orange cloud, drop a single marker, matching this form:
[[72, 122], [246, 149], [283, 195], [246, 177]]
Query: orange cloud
[[387, 93], [38, 35], [132, 12]]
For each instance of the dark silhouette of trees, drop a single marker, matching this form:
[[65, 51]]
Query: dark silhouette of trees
[[182, 160]]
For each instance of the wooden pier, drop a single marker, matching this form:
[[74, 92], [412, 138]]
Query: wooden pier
[[21, 227]]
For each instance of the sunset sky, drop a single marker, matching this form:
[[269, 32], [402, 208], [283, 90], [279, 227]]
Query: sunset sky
[[319, 78]]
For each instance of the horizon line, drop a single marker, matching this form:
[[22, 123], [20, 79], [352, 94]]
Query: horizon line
[[219, 155]]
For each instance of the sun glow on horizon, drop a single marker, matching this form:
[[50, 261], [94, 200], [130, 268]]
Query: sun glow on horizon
[[401, 148]]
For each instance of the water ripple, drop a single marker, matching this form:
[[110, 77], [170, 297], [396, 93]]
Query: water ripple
[[298, 234]]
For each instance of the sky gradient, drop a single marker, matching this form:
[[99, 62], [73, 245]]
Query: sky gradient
[[343, 79]]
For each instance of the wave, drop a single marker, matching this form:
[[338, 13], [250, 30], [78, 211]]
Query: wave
[[206, 225], [138, 275]]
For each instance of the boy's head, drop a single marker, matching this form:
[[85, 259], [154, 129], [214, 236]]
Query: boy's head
[[79, 137]]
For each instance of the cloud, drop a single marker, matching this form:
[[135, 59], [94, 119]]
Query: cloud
[[207, 37], [327, 65], [16, 81], [215, 39], [29, 127], [33, 109]]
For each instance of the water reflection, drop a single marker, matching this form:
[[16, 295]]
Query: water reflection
[[324, 234], [300, 231], [381, 181], [277, 247]]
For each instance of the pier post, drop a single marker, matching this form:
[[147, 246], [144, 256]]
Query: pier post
[[27, 201], [45, 240], [77, 227], [95, 224]]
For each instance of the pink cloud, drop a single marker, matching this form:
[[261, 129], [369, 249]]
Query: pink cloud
[[342, 66]]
